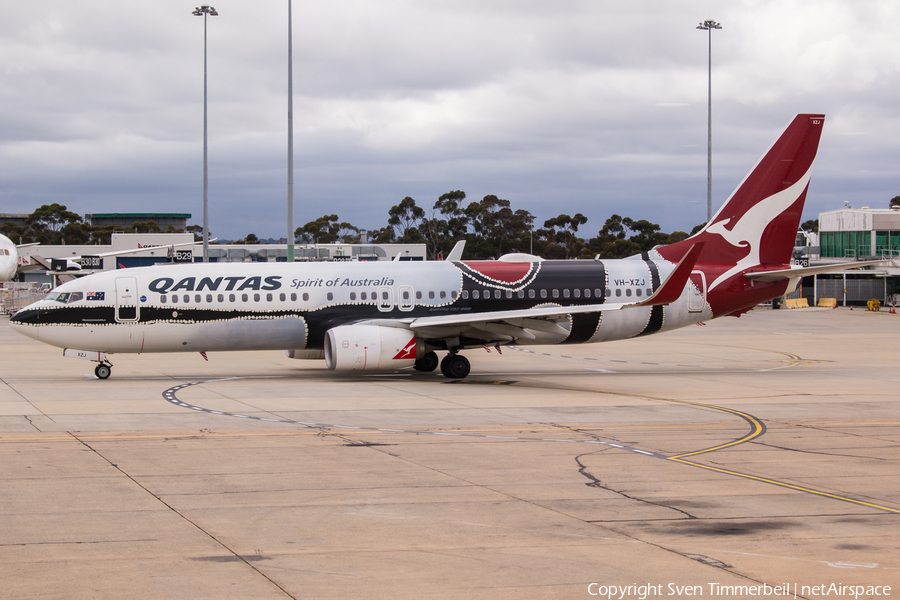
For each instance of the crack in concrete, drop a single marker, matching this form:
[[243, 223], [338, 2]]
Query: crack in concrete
[[596, 483], [237, 557], [706, 560], [827, 429], [77, 542], [818, 452]]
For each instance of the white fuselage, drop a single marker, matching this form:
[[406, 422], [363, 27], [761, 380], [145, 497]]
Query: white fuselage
[[216, 307], [9, 259]]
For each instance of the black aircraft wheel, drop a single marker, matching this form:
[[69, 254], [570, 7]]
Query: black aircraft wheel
[[427, 363], [102, 372], [444, 363], [455, 366]]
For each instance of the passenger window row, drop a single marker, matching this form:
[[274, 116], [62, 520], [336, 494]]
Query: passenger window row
[[200, 298], [554, 293], [386, 296], [210, 298], [475, 295]]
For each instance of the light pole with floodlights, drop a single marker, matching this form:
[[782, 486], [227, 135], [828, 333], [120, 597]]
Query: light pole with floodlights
[[203, 11], [290, 199], [708, 26]]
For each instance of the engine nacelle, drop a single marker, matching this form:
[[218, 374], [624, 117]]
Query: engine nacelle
[[370, 348]]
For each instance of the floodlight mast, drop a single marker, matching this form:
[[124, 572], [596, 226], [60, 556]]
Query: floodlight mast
[[290, 181], [708, 26], [203, 11]]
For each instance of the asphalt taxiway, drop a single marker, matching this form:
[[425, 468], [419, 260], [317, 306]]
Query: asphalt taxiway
[[748, 451]]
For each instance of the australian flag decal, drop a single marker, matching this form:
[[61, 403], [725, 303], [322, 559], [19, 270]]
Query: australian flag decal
[[95, 295]]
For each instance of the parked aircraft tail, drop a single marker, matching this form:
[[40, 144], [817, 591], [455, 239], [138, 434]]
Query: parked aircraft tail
[[759, 221], [755, 228]]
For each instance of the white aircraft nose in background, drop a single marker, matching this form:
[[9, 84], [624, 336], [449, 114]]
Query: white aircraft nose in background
[[9, 257]]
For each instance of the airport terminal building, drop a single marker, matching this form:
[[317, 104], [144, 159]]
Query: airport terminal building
[[864, 233], [846, 236], [164, 220], [40, 263]]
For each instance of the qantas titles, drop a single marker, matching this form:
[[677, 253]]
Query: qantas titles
[[338, 282], [164, 285]]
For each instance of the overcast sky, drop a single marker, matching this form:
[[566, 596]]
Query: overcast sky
[[594, 106]]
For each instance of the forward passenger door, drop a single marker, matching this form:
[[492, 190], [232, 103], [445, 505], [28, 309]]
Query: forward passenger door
[[127, 309]]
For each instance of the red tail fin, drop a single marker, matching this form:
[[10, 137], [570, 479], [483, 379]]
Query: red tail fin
[[758, 223]]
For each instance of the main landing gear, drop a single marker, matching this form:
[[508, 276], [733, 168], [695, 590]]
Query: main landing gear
[[455, 366], [103, 371], [427, 363]]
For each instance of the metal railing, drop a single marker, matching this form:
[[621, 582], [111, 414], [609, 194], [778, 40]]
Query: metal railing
[[15, 296]]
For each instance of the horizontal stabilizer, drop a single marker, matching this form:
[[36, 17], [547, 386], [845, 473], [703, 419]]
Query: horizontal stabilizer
[[782, 274]]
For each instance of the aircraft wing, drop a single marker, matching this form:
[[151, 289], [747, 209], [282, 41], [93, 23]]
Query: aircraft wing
[[506, 315], [783, 274], [75, 260], [670, 290], [135, 250]]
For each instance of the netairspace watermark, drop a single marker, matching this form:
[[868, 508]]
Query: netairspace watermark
[[718, 590]]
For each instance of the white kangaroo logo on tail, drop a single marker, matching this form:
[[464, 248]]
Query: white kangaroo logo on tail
[[749, 228]]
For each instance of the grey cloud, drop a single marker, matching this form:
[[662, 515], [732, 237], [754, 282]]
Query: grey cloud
[[577, 107]]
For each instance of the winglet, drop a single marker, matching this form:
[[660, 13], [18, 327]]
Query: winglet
[[673, 286], [456, 253]]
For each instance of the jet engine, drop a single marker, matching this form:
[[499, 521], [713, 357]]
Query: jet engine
[[371, 348]]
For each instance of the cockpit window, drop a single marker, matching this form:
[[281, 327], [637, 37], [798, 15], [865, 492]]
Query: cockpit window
[[65, 297], [58, 296]]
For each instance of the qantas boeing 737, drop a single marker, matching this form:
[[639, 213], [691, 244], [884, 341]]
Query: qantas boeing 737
[[384, 316]]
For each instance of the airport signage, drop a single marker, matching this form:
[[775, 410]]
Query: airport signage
[[91, 262], [181, 256]]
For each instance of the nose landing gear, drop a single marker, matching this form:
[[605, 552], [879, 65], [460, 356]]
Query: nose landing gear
[[103, 371]]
